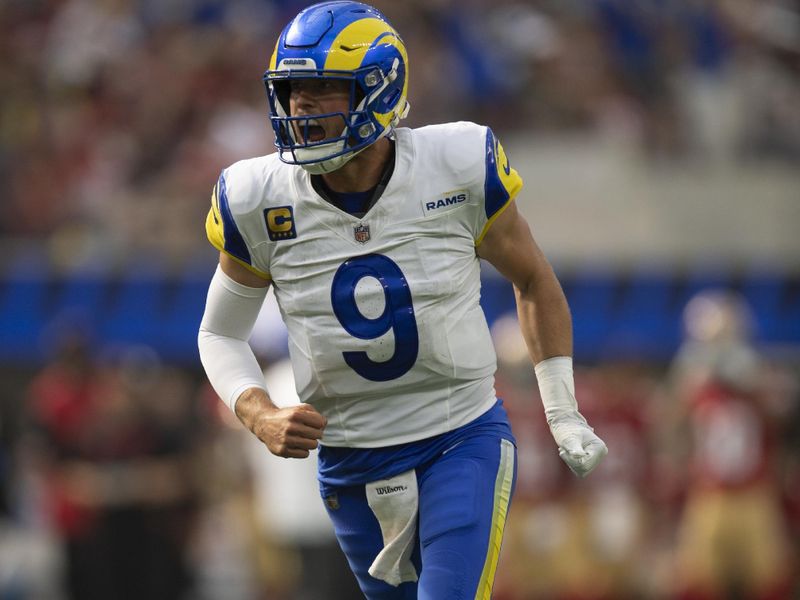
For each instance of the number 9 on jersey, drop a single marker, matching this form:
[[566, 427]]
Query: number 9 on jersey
[[397, 316]]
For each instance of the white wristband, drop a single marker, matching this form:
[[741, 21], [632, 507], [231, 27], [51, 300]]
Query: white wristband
[[557, 387]]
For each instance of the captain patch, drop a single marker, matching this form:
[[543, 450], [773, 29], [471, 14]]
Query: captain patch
[[280, 223]]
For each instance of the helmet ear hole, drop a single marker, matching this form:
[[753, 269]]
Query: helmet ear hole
[[390, 100]]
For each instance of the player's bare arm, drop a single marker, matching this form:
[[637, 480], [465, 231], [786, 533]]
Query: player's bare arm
[[290, 432], [547, 327], [542, 308]]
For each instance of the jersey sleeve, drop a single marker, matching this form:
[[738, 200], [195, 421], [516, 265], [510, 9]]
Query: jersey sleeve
[[223, 231], [501, 184]]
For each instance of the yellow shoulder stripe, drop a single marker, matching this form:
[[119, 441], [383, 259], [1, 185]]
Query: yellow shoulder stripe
[[216, 235]]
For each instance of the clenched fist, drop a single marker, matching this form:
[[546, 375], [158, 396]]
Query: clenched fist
[[290, 432], [578, 446]]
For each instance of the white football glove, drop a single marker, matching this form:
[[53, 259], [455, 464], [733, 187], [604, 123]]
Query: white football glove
[[578, 446]]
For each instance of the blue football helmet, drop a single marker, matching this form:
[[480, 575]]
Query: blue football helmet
[[347, 41]]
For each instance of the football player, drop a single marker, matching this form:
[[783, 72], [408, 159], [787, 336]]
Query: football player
[[371, 236]]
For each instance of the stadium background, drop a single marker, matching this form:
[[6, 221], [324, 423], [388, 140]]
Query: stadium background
[[659, 141]]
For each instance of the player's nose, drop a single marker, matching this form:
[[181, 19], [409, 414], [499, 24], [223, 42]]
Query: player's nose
[[303, 101]]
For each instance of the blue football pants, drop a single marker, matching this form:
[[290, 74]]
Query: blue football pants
[[464, 496]]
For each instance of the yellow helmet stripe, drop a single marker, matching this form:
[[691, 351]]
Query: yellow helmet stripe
[[273, 62], [349, 48]]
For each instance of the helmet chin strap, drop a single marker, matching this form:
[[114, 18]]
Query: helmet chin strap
[[332, 164], [327, 166], [337, 162]]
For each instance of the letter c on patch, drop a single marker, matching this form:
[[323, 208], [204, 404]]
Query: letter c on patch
[[279, 219], [280, 223]]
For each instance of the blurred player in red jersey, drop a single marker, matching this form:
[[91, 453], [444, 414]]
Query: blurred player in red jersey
[[111, 445], [731, 540], [540, 533], [572, 539]]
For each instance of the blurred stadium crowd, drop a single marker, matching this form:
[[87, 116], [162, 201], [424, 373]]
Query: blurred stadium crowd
[[122, 476], [115, 113]]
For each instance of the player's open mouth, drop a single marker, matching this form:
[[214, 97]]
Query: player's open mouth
[[312, 132]]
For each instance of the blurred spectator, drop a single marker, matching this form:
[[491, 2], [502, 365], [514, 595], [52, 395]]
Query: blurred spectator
[[117, 114], [112, 443], [265, 533], [639, 40], [300, 558], [566, 536], [732, 538], [540, 530]]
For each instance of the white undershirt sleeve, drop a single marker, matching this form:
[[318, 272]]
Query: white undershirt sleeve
[[228, 320]]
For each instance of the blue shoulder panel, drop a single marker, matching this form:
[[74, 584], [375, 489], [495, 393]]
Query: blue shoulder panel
[[502, 182], [234, 242]]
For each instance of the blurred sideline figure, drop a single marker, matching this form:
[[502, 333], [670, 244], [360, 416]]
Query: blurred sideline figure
[[732, 539], [111, 442], [568, 539], [297, 536], [371, 237], [539, 544]]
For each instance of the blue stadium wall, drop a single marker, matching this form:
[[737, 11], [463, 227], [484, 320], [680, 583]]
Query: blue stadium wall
[[617, 314]]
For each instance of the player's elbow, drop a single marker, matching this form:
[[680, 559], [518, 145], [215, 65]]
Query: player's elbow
[[525, 288], [204, 342], [209, 343], [533, 282], [540, 284]]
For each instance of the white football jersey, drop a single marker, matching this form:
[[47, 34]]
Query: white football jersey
[[386, 335]]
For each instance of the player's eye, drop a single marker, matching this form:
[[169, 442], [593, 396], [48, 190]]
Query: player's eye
[[333, 86], [298, 86], [319, 87]]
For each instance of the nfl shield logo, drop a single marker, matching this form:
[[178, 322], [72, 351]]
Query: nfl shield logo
[[361, 233]]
